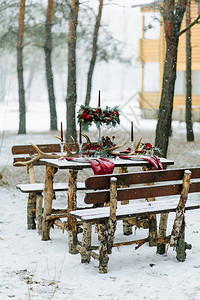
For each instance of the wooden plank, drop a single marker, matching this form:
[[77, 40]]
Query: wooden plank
[[103, 181], [100, 197], [39, 187], [46, 148], [130, 211]]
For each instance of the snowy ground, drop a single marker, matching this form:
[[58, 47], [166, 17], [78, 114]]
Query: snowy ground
[[34, 269]]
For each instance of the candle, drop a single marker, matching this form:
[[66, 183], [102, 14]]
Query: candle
[[99, 104], [80, 135], [131, 131], [61, 133]]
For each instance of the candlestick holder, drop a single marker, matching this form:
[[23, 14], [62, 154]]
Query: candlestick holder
[[80, 148], [61, 150], [99, 135], [132, 146]]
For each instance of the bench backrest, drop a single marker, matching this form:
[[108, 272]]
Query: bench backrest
[[24, 152], [167, 183]]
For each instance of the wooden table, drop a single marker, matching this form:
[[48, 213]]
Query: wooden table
[[74, 167]]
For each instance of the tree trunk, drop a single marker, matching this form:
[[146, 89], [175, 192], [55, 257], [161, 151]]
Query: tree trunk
[[173, 16], [166, 103], [22, 106], [71, 83], [188, 106], [48, 65], [94, 53]]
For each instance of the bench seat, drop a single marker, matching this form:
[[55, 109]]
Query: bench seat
[[132, 210], [39, 187]]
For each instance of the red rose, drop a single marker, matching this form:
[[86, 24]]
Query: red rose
[[148, 146]]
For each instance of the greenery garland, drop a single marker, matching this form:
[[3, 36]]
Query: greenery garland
[[88, 115]]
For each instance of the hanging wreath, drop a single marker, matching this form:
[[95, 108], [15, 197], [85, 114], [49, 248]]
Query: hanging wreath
[[88, 115]]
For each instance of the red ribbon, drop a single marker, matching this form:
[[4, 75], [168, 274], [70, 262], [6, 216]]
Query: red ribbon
[[102, 166], [153, 160]]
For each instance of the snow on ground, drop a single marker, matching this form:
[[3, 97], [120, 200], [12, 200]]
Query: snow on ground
[[34, 269]]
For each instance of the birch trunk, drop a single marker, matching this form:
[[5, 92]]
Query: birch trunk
[[103, 253], [179, 219], [48, 197], [113, 208], [72, 205]]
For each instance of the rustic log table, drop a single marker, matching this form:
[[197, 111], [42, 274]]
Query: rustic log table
[[73, 167]]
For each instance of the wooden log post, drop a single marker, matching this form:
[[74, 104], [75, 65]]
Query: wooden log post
[[113, 208], [39, 213], [72, 205], [48, 196], [127, 228], [177, 239], [103, 253], [86, 242], [152, 218], [31, 207], [162, 233]]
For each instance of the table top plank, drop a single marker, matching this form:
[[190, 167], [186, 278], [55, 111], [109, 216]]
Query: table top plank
[[79, 165]]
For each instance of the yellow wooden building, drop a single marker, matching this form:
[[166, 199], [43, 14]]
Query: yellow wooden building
[[152, 56]]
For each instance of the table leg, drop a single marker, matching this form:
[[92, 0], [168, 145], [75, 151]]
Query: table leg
[[48, 196], [72, 205], [127, 228]]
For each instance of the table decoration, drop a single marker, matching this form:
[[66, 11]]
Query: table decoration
[[132, 139], [61, 143]]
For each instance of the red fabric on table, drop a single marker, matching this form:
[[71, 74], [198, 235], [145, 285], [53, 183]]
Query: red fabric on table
[[102, 166], [154, 160]]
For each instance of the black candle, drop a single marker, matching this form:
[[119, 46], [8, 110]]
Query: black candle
[[99, 101], [61, 134], [131, 131]]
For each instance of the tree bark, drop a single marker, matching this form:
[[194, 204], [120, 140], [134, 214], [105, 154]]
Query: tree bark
[[173, 16], [22, 106], [71, 83], [48, 66], [188, 106], [94, 54]]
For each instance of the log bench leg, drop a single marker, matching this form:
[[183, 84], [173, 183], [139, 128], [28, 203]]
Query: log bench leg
[[48, 197], [72, 205], [162, 233], [177, 239], [127, 228], [31, 207], [103, 253], [39, 204], [87, 232]]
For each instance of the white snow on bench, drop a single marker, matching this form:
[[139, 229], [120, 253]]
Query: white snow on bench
[[39, 187], [131, 210]]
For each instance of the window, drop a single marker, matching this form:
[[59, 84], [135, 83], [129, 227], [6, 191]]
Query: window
[[151, 77], [152, 26], [196, 82], [180, 83]]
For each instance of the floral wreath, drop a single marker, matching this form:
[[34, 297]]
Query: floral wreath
[[105, 143], [88, 115]]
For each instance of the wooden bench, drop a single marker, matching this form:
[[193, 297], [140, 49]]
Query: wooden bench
[[107, 190], [24, 153]]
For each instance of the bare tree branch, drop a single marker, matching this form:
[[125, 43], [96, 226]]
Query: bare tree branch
[[188, 27]]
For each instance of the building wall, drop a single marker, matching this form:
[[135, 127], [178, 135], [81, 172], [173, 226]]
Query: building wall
[[153, 50]]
